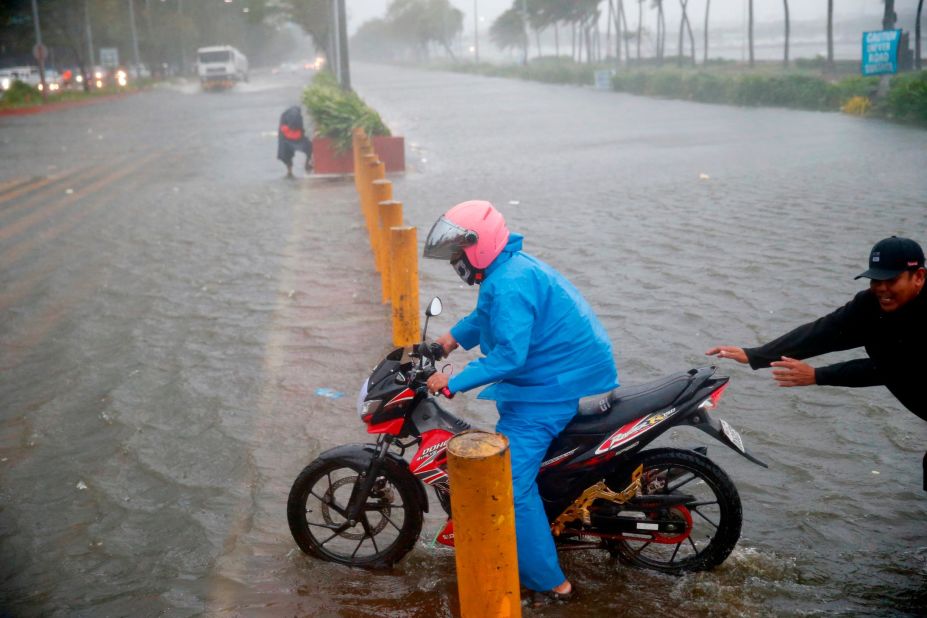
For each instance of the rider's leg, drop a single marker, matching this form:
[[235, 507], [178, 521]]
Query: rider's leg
[[530, 428]]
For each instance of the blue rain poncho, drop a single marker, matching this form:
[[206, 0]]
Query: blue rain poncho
[[540, 338]]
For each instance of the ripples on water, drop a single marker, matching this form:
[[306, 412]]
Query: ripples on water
[[151, 437]]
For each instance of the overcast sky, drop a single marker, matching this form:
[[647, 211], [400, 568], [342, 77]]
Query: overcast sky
[[723, 12]]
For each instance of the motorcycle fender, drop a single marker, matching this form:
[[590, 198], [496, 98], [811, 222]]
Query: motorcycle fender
[[720, 431], [361, 454]]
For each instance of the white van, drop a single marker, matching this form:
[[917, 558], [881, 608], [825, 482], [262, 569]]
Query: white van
[[221, 65], [29, 75]]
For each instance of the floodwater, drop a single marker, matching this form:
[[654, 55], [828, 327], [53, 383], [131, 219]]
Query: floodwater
[[170, 306]]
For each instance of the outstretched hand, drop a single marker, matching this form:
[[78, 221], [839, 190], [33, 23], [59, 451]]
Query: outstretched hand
[[792, 372], [728, 351]]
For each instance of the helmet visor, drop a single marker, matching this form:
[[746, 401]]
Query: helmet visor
[[446, 240]]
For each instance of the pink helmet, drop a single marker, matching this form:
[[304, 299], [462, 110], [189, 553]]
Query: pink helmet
[[475, 227]]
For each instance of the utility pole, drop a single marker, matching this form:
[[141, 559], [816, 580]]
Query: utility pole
[[343, 50], [336, 41], [134, 32], [476, 32], [39, 51], [90, 55]]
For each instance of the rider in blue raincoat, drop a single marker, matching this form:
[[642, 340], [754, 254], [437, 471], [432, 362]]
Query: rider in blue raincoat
[[543, 348]]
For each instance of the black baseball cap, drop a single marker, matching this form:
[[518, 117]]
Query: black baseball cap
[[892, 256]]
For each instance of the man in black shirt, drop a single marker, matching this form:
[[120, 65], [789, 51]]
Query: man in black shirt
[[889, 320]]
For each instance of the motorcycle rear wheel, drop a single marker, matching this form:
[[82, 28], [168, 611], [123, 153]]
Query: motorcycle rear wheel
[[715, 515], [387, 528]]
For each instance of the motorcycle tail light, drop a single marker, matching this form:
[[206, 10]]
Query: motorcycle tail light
[[712, 401]]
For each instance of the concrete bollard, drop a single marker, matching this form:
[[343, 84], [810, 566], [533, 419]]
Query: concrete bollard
[[480, 472], [390, 213], [382, 191], [376, 170], [404, 270], [357, 139]]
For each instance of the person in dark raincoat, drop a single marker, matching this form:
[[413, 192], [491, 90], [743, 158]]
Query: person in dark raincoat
[[533, 326], [291, 136]]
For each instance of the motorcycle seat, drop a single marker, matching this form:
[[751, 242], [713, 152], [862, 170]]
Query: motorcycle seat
[[602, 412]]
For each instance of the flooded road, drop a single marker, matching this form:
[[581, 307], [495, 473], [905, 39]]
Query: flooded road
[[170, 306]]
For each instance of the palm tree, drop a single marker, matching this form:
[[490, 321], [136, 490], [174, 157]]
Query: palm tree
[[707, 7], [830, 35], [785, 59], [685, 26], [750, 28]]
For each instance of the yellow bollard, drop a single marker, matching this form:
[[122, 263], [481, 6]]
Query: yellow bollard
[[404, 265], [357, 137], [367, 204], [363, 184], [375, 171], [390, 213], [381, 191], [480, 472]]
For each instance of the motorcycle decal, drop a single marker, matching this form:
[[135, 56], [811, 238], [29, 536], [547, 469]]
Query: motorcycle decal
[[557, 459], [406, 395], [446, 535], [431, 458], [633, 429]]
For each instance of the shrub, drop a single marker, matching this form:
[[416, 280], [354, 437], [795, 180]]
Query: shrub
[[907, 97], [851, 87], [336, 113], [21, 93], [667, 84]]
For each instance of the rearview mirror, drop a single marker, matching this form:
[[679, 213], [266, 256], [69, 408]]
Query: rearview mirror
[[434, 307]]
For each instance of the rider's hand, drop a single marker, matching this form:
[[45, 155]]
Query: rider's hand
[[447, 342], [437, 381], [792, 372], [728, 351]]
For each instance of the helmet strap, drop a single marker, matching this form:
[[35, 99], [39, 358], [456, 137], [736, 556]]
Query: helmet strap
[[466, 271]]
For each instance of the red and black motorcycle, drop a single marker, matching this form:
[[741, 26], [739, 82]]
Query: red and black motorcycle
[[667, 509]]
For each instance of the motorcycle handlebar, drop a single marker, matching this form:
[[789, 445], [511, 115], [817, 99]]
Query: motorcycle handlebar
[[447, 392], [432, 350]]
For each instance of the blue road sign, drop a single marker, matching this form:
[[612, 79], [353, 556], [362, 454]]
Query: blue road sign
[[880, 52]]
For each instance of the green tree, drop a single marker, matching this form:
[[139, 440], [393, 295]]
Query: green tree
[[425, 22], [508, 30]]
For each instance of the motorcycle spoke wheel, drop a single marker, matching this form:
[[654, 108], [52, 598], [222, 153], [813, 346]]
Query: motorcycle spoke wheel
[[385, 530], [712, 516]]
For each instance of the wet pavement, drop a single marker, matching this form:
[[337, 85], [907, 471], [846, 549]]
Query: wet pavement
[[170, 305]]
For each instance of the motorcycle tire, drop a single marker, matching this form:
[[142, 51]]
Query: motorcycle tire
[[713, 518], [388, 526]]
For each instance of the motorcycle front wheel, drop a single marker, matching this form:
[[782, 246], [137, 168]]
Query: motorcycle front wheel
[[386, 529], [711, 513]]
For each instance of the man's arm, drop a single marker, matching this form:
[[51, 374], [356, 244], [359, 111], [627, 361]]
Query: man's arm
[[835, 331], [857, 373]]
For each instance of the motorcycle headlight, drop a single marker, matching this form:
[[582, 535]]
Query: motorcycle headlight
[[370, 408], [361, 396]]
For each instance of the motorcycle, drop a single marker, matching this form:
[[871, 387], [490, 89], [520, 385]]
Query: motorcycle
[[666, 509]]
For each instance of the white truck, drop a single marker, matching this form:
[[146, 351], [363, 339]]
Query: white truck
[[221, 66]]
